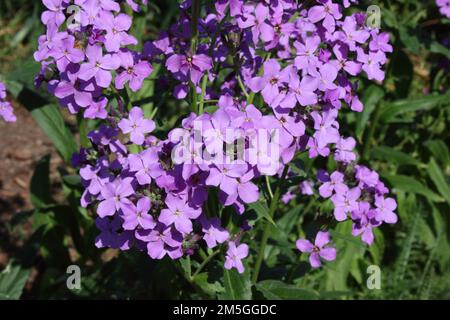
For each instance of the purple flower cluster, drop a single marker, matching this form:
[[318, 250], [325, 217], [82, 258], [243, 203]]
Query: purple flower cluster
[[280, 72], [143, 198], [359, 194], [356, 192], [84, 54], [444, 7], [6, 109]]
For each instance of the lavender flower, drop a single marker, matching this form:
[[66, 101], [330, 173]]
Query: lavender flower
[[99, 66], [234, 256], [115, 197], [214, 233], [133, 73], [136, 125], [192, 66], [179, 213], [116, 28], [320, 249]]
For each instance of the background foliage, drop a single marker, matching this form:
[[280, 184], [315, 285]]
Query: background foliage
[[403, 134]]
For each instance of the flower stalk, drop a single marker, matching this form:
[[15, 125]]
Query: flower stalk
[[266, 233]]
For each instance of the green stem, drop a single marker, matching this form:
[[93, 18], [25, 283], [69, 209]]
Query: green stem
[[196, 6], [202, 253], [204, 263], [194, 98], [152, 115], [369, 138], [269, 188], [268, 226], [83, 129], [128, 105], [241, 85], [202, 98]]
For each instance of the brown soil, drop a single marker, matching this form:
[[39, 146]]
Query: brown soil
[[22, 144]]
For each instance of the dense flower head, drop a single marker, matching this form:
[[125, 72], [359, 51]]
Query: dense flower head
[[85, 54], [279, 72]]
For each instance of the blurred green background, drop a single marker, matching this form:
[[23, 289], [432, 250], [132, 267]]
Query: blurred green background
[[403, 133]]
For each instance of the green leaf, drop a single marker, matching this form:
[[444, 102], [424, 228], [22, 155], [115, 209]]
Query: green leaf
[[411, 185], [210, 109], [401, 73], [83, 129], [278, 290], [24, 72], [73, 181], [372, 96], [425, 233], [390, 18], [390, 154], [54, 223], [399, 107], [12, 281], [262, 210], [186, 266], [350, 250], [26, 29], [437, 176], [14, 87], [410, 39], [439, 150], [211, 287], [436, 47], [40, 184], [50, 119], [377, 248], [348, 239], [237, 286], [288, 220]]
